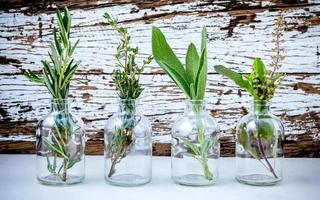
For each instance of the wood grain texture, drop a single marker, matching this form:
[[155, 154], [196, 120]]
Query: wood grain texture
[[238, 31]]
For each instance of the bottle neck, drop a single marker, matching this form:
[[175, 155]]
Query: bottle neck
[[260, 107], [61, 105], [128, 106], [195, 107]]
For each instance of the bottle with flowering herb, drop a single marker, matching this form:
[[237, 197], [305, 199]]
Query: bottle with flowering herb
[[60, 135], [260, 134], [127, 138]]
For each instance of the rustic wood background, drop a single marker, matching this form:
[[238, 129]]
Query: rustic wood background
[[238, 30]]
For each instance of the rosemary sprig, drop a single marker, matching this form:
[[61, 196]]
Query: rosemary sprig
[[261, 84], [57, 73], [127, 80]]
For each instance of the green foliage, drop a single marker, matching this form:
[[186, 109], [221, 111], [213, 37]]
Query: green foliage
[[261, 83], [59, 70], [192, 77], [57, 73], [126, 76]]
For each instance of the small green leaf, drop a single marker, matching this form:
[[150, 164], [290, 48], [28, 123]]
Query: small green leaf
[[192, 146], [259, 69], [204, 38], [32, 77], [201, 78], [189, 154]]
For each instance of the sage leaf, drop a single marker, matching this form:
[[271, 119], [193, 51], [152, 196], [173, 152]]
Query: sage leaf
[[163, 52], [180, 80], [192, 63]]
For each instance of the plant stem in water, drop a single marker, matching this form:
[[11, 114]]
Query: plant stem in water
[[265, 157]]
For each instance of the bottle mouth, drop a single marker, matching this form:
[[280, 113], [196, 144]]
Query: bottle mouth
[[261, 102], [195, 101], [62, 101], [129, 101]]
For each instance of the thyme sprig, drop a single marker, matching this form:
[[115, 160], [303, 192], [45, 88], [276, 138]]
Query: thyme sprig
[[127, 80]]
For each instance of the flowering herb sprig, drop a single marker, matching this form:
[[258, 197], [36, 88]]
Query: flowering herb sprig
[[261, 84], [127, 80]]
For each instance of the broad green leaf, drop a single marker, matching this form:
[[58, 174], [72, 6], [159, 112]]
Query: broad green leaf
[[244, 138], [192, 63], [201, 78], [240, 80], [163, 52], [259, 68], [180, 81], [265, 128]]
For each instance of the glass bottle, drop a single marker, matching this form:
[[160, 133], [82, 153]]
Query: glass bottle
[[60, 144], [195, 148], [128, 146], [259, 146]]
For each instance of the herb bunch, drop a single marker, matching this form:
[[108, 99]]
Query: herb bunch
[[127, 80], [261, 84], [57, 73], [191, 79]]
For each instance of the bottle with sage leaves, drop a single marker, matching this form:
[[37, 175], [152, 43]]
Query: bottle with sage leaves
[[195, 149], [128, 134], [60, 135], [260, 134]]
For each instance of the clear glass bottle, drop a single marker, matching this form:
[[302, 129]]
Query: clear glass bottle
[[128, 146], [195, 147], [60, 144], [259, 146]]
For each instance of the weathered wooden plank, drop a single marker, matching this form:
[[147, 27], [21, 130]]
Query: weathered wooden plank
[[235, 37], [238, 31], [297, 104]]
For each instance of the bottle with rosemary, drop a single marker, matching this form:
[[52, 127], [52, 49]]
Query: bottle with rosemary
[[194, 147], [128, 134], [260, 134], [60, 135]]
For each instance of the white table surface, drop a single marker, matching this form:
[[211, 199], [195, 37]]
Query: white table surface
[[17, 181]]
